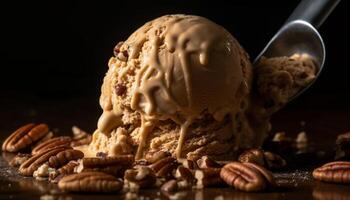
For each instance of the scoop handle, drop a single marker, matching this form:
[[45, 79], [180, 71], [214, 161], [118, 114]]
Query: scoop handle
[[313, 11]]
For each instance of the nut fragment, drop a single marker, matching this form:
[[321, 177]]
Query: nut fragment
[[247, 177], [24, 137], [274, 161], [90, 182], [206, 162], [263, 158], [164, 167], [153, 157], [170, 186], [190, 164], [52, 143], [252, 156], [42, 173], [143, 177], [208, 177], [140, 163], [334, 172], [19, 159], [101, 154], [33, 163], [55, 176], [301, 140], [80, 137], [64, 157], [343, 146], [120, 89], [117, 47], [183, 173]]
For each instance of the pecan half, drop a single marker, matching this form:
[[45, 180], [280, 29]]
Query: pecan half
[[334, 172], [207, 177], [33, 163], [247, 177], [19, 159], [114, 165], [90, 182], [142, 177], [24, 137], [108, 161], [64, 157], [52, 143]]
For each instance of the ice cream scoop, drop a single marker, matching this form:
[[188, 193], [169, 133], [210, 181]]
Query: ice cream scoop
[[299, 35], [180, 83]]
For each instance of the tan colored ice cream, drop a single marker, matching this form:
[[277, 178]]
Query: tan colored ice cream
[[178, 83], [182, 84], [278, 79]]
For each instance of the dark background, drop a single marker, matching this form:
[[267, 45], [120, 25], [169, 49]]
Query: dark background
[[57, 51]]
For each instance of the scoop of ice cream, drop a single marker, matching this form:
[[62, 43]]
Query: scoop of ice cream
[[278, 79], [179, 83]]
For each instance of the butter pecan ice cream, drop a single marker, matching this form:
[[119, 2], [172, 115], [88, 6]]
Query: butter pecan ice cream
[[182, 84]]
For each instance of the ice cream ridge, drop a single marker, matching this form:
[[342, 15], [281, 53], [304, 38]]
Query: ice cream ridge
[[183, 84]]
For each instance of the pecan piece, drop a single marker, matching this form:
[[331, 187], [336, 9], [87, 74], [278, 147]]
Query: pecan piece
[[170, 186], [164, 167], [24, 137], [142, 177], [207, 162], [42, 173], [55, 176], [80, 137], [117, 47], [247, 177], [183, 173], [153, 157], [120, 89], [343, 146], [274, 161], [207, 177], [33, 163], [190, 164], [252, 156], [19, 159], [90, 182], [334, 172], [64, 157], [263, 158], [52, 143]]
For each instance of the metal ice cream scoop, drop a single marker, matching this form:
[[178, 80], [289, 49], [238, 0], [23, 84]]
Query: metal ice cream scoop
[[299, 34]]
